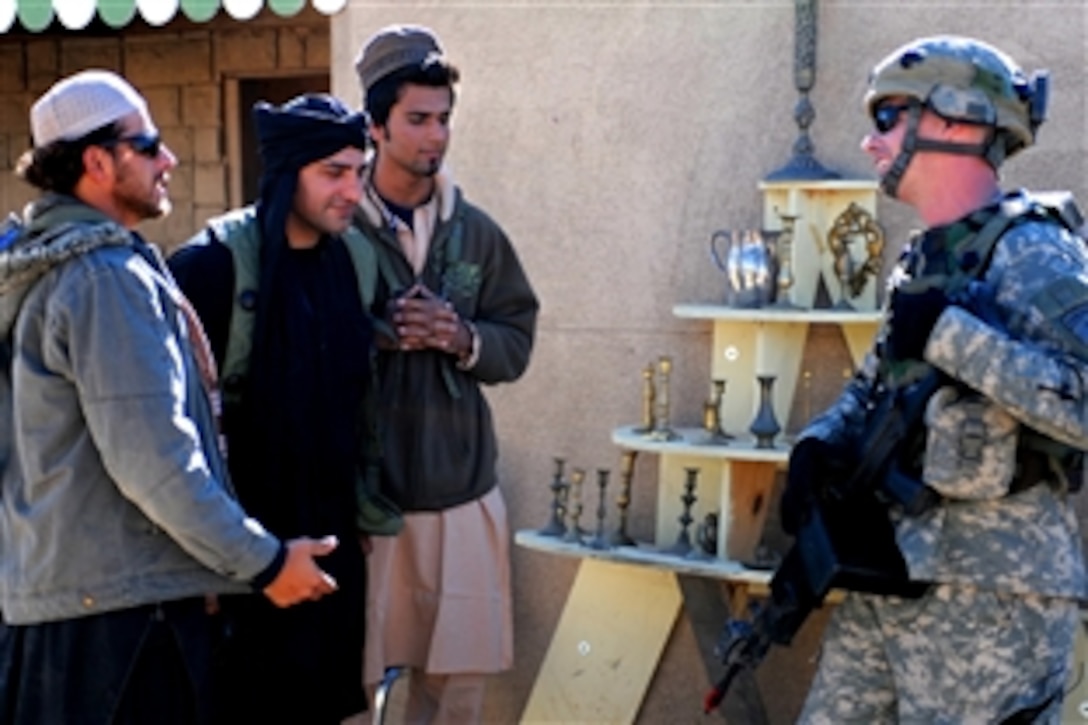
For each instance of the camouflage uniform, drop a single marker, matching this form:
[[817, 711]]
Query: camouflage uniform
[[995, 634]]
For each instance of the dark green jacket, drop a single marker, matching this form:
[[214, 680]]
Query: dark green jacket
[[439, 446]]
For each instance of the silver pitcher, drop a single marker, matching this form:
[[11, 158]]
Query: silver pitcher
[[750, 267]]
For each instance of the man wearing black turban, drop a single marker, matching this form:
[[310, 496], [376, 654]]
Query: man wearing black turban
[[297, 438]]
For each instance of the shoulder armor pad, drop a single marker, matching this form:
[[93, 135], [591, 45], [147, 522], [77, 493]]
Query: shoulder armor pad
[[1062, 206], [1064, 303]]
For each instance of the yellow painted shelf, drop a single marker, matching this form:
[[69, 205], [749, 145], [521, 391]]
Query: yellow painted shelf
[[697, 311], [646, 555], [625, 600], [694, 442]]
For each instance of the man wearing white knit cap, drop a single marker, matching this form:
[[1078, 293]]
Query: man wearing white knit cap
[[117, 518]]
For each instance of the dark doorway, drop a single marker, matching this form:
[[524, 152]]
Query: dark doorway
[[273, 90]]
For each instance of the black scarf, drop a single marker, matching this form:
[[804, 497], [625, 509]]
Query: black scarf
[[297, 451]]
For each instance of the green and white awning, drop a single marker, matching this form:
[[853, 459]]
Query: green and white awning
[[36, 15]]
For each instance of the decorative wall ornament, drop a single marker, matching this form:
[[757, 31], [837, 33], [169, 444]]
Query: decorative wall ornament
[[803, 164], [855, 224]]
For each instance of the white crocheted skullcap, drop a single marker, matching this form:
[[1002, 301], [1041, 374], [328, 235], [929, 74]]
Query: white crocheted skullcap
[[81, 103]]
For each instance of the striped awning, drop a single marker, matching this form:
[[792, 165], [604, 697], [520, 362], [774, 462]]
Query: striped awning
[[36, 15]]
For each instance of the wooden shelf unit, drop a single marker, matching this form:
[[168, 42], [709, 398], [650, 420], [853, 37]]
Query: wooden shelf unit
[[624, 600], [737, 479]]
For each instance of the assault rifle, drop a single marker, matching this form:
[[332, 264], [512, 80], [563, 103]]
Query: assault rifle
[[846, 541]]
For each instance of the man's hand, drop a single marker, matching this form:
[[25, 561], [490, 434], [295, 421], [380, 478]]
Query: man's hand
[[301, 579], [423, 320]]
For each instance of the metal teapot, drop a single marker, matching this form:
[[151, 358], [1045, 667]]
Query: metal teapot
[[750, 267]]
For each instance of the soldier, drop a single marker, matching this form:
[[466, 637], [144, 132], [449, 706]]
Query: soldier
[[994, 296]]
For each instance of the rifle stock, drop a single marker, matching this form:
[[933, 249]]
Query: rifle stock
[[845, 542]]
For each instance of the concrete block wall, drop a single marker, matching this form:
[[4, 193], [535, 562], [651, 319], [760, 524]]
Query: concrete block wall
[[182, 70]]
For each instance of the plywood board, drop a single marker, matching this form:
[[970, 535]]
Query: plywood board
[[606, 646]]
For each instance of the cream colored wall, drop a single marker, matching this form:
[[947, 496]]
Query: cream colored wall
[[610, 140]]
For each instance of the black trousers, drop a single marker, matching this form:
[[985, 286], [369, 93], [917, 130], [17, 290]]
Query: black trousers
[[302, 665], [149, 664]]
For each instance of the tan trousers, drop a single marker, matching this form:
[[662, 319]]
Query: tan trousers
[[437, 699], [444, 699]]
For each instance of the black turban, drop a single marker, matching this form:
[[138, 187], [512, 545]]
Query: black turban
[[307, 128], [311, 334], [295, 444]]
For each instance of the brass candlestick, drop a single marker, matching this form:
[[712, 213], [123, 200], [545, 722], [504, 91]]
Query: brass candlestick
[[555, 525], [574, 508], [712, 415], [784, 256], [623, 501], [661, 430], [648, 400], [683, 547], [600, 540]]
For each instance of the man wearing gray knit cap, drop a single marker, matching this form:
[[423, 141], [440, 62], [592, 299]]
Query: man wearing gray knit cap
[[459, 313], [117, 518]]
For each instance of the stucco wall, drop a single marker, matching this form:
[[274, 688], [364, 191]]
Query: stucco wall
[[610, 139]]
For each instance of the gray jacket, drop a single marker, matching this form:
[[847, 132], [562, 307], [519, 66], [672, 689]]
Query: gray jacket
[[114, 493]]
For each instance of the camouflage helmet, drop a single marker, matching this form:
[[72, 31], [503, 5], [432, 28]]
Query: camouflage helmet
[[962, 79]]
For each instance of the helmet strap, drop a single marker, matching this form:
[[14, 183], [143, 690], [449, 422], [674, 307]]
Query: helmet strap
[[989, 150], [981, 150], [889, 183]]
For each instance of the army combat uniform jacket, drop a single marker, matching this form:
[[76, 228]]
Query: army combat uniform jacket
[[1000, 525]]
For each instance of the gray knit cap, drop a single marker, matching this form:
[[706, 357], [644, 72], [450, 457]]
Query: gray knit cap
[[81, 103], [392, 48]]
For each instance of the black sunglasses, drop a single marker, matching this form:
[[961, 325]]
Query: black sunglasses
[[145, 144], [886, 115]]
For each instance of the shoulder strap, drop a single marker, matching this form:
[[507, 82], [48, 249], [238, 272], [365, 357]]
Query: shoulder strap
[[365, 262], [976, 255], [238, 232], [1059, 207]]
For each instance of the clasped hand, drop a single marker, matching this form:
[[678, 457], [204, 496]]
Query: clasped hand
[[422, 319]]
